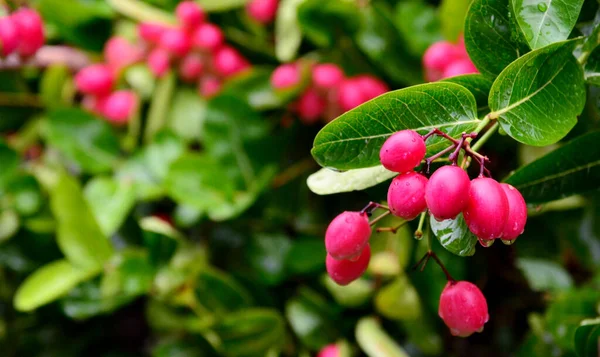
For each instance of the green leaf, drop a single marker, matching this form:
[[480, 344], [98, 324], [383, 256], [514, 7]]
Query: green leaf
[[354, 139], [56, 86], [544, 86], [129, 274], [544, 274], [288, 35], [571, 169], [110, 202], [10, 163], [300, 258], [310, 318], [187, 114], [221, 5], [219, 293], [399, 300], [592, 67], [411, 15], [374, 341], [78, 234], [26, 195], [327, 182], [48, 283], [142, 12], [355, 294], [86, 140], [250, 332], [452, 17], [324, 22], [9, 224], [477, 84], [267, 254], [488, 37], [544, 22], [159, 108], [587, 338], [454, 235], [256, 89], [86, 300]]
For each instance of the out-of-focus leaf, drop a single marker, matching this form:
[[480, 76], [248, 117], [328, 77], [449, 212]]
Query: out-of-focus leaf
[[110, 202], [323, 22], [10, 163], [9, 224], [374, 341], [398, 300], [288, 35], [142, 12], [301, 256], [309, 317], [160, 106], [452, 17], [140, 79], [160, 238], [220, 293], [423, 333], [544, 275], [221, 5], [56, 86], [255, 87], [86, 300], [355, 294], [25, 193], [587, 338], [187, 114], [267, 255], [327, 182], [411, 15]]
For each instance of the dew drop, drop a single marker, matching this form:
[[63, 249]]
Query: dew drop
[[542, 7], [508, 242]]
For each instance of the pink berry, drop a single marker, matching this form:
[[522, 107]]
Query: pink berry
[[191, 67], [327, 76], [343, 272], [176, 42], [151, 32], [228, 61], [119, 53], [406, 195], [310, 106], [9, 36], [31, 31], [347, 235], [517, 213], [403, 151], [447, 192], [158, 62], [463, 308], [209, 86], [487, 208], [458, 68], [263, 11], [119, 106], [329, 351], [370, 86], [439, 55], [350, 95], [96, 79], [189, 14], [285, 76], [207, 37]]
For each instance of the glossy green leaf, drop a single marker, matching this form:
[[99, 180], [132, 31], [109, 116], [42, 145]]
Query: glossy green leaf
[[488, 37], [221, 5], [544, 22], [544, 86], [110, 202], [454, 235], [187, 114], [310, 318], [48, 283], [355, 294], [250, 332], [544, 275], [417, 14], [399, 300], [571, 169], [477, 84], [354, 139], [323, 22], [78, 234], [374, 341], [327, 182], [288, 35], [452, 17], [220, 293], [86, 140], [587, 338]]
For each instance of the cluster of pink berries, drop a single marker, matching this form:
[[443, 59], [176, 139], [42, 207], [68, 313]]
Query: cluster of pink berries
[[195, 48], [21, 32], [444, 60], [262, 11], [329, 93]]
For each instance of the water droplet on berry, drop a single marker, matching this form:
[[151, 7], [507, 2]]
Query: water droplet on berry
[[486, 243], [508, 242]]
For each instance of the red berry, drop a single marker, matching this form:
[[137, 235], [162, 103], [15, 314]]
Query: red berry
[[285, 76], [209, 86], [329, 351], [191, 67], [263, 11], [207, 37], [228, 61], [370, 86], [517, 213], [347, 235], [31, 31], [460, 67], [176, 42], [406, 195], [487, 208], [403, 151], [9, 35], [96, 79], [119, 53], [343, 272], [119, 106], [447, 192], [189, 14], [327, 76], [463, 308], [439, 55], [310, 106], [158, 62], [151, 32]]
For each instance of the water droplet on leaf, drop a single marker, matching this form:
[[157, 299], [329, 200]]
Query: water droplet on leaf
[[542, 7]]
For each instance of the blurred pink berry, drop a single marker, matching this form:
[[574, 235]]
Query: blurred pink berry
[[329, 351], [285, 76], [370, 86], [119, 106], [151, 32], [207, 37], [327, 75], [263, 11], [31, 31], [310, 106], [189, 14], [439, 55], [176, 41], [9, 36], [119, 53], [458, 68], [209, 86], [191, 67], [159, 62], [96, 79], [350, 94], [228, 61]]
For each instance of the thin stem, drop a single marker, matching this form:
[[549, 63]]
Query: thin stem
[[371, 206], [439, 262], [293, 172], [484, 122], [429, 160], [378, 218], [391, 229], [419, 231]]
